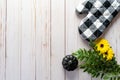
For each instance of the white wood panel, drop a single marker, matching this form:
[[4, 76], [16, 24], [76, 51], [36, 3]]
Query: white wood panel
[[2, 38], [13, 37], [81, 43], [43, 40], [28, 40], [71, 35], [57, 39], [115, 42]]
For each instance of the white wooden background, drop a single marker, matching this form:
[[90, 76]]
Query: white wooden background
[[36, 34]]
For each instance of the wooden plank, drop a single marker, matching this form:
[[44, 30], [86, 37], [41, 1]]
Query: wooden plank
[[57, 39], [71, 35], [28, 40], [115, 38], [2, 38], [43, 40], [13, 36], [81, 43]]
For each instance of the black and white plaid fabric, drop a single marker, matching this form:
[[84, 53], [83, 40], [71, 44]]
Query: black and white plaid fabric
[[100, 14]]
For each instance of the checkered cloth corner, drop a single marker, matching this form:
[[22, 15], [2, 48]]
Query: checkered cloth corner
[[100, 14]]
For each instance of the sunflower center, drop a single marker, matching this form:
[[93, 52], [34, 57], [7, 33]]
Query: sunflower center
[[106, 53], [101, 45]]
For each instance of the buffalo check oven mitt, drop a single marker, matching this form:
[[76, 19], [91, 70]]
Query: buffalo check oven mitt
[[100, 14]]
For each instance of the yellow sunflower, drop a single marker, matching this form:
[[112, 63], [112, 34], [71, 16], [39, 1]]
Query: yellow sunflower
[[108, 54], [102, 45]]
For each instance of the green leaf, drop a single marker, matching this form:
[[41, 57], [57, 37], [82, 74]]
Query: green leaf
[[106, 77], [92, 44]]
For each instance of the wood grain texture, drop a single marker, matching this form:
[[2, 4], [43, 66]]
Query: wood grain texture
[[81, 43], [36, 34], [43, 38], [57, 39], [13, 40], [28, 41], [71, 35], [2, 39]]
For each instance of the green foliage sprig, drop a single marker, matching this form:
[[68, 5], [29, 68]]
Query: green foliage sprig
[[94, 63]]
